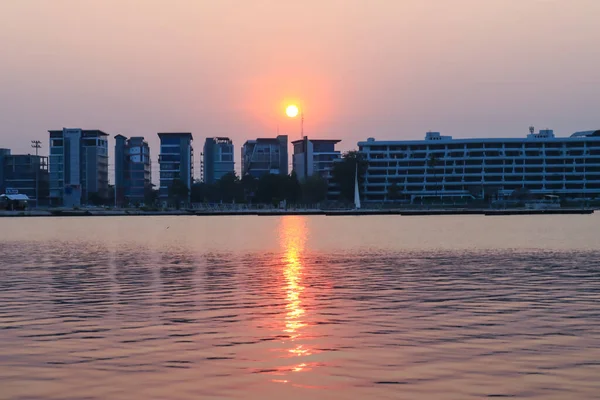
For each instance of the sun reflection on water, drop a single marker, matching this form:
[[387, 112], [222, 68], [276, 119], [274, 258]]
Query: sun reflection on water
[[293, 233]]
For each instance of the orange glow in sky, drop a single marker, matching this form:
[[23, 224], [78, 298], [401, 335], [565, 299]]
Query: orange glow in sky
[[356, 68]]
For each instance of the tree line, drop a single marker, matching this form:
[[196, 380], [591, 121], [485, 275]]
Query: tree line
[[267, 189], [273, 189]]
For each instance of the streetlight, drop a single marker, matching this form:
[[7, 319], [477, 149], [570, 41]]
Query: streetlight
[[37, 145]]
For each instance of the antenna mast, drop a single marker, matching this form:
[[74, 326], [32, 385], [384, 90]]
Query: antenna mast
[[36, 144]]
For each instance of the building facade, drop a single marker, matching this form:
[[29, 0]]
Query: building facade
[[265, 156], [218, 158], [314, 157], [3, 153], [443, 167], [132, 170], [78, 166], [24, 174], [176, 160]]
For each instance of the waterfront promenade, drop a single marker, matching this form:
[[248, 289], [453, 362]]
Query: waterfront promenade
[[281, 212]]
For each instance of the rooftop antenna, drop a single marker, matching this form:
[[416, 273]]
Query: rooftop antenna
[[36, 144], [302, 124]]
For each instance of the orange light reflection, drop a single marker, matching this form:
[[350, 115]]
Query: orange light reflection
[[293, 240]]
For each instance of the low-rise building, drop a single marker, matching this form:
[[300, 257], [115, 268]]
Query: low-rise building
[[24, 174], [265, 156], [314, 156], [443, 167]]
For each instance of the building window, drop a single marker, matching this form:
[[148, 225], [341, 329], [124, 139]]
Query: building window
[[170, 141]]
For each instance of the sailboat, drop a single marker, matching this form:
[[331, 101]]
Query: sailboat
[[356, 193]]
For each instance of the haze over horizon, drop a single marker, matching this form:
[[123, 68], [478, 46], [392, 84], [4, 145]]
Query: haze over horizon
[[379, 68]]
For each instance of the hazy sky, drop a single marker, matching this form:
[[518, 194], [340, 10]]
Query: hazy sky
[[390, 69]]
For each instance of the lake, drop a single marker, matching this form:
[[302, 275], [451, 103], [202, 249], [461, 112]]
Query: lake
[[381, 307]]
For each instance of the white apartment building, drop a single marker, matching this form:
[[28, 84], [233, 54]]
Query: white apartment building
[[443, 167]]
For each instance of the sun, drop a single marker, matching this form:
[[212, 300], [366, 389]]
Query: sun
[[291, 111]]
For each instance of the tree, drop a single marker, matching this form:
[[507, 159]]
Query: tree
[[491, 192], [150, 195], [230, 189], [95, 199], [344, 171], [271, 188], [314, 189], [521, 194], [394, 192], [249, 187], [199, 192], [109, 200], [178, 193], [294, 189]]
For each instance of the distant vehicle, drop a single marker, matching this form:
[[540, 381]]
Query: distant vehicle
[[549, 201], [13, 202]]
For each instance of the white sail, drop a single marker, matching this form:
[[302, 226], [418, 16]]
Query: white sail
[[356, 193]]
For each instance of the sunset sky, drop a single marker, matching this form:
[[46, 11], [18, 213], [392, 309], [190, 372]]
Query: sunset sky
[[390, 69]]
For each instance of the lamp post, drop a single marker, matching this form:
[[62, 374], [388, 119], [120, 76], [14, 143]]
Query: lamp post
[[37, 144]]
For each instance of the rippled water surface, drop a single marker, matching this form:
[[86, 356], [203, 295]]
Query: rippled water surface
[[300, 307]]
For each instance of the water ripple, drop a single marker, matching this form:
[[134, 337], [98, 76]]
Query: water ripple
[[90, 321]]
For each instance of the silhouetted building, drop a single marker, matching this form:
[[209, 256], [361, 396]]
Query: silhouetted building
[[132, 170], [265, 156], [314, 157], [24, 174], [78, 166], [176, 160], [218, 158], [3, 152]]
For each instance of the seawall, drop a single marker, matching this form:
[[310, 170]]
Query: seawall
[[271, 213]]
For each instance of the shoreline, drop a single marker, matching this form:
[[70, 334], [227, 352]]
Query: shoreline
[[329, 213]]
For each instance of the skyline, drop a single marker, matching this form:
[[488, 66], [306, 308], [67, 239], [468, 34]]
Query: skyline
[[356, 69]]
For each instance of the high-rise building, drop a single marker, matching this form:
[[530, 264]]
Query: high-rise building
[[78, 166], [132, 169], [176, 160], [218, 158], [265, 156], [314, 157], [443, 167], [24, 174]]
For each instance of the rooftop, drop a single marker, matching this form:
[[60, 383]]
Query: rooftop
[[175, 134], [317, 140], [267, 140], [86, 132], [542, 135], [219, 139]]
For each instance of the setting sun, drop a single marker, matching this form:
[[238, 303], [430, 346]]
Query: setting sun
[[291, 111]]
